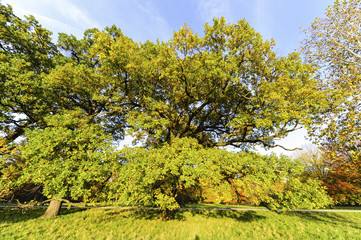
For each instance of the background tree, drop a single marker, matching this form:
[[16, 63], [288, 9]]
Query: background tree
[[337, 170], [333, 44], [343, 179], [315, 161]]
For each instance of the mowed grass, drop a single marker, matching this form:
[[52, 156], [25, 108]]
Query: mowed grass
[[196, 224]]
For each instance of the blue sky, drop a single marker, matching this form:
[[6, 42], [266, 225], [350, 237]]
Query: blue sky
[[144, 20], [151, 19]]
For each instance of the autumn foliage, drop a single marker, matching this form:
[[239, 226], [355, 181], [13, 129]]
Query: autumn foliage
[[343, 180]]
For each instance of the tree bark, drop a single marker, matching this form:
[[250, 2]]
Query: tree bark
[[168, 214], [53, 209], [240, 197]]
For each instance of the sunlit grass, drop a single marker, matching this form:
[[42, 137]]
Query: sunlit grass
[[195, 224]]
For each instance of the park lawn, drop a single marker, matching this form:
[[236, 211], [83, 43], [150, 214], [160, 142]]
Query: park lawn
[[204, 224]]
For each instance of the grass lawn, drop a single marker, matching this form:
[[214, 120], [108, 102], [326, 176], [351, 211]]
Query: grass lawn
[[205, 224]]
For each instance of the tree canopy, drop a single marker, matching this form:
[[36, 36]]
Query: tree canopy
[[225, 88]]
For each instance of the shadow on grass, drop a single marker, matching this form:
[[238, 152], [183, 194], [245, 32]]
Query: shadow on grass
[[323, 217], [346, 207], [14, 215], [144, 214], [151, 214], [147, 214], [244, 216], [66, 211]]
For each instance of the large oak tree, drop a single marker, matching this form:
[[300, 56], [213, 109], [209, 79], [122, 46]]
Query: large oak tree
[[226, 88]]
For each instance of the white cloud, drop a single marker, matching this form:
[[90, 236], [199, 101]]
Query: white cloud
[[57, 16], [209, 9], [140, 19], [70, 11], [52, 24]]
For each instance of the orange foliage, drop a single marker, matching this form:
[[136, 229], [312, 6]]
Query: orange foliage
[[344, 181]]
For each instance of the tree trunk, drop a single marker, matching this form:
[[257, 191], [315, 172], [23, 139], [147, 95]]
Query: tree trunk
[[53, 209], [180, 199], [168, 214], [239, 193]]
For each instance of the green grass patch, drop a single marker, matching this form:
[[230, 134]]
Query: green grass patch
[[196, 224]]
